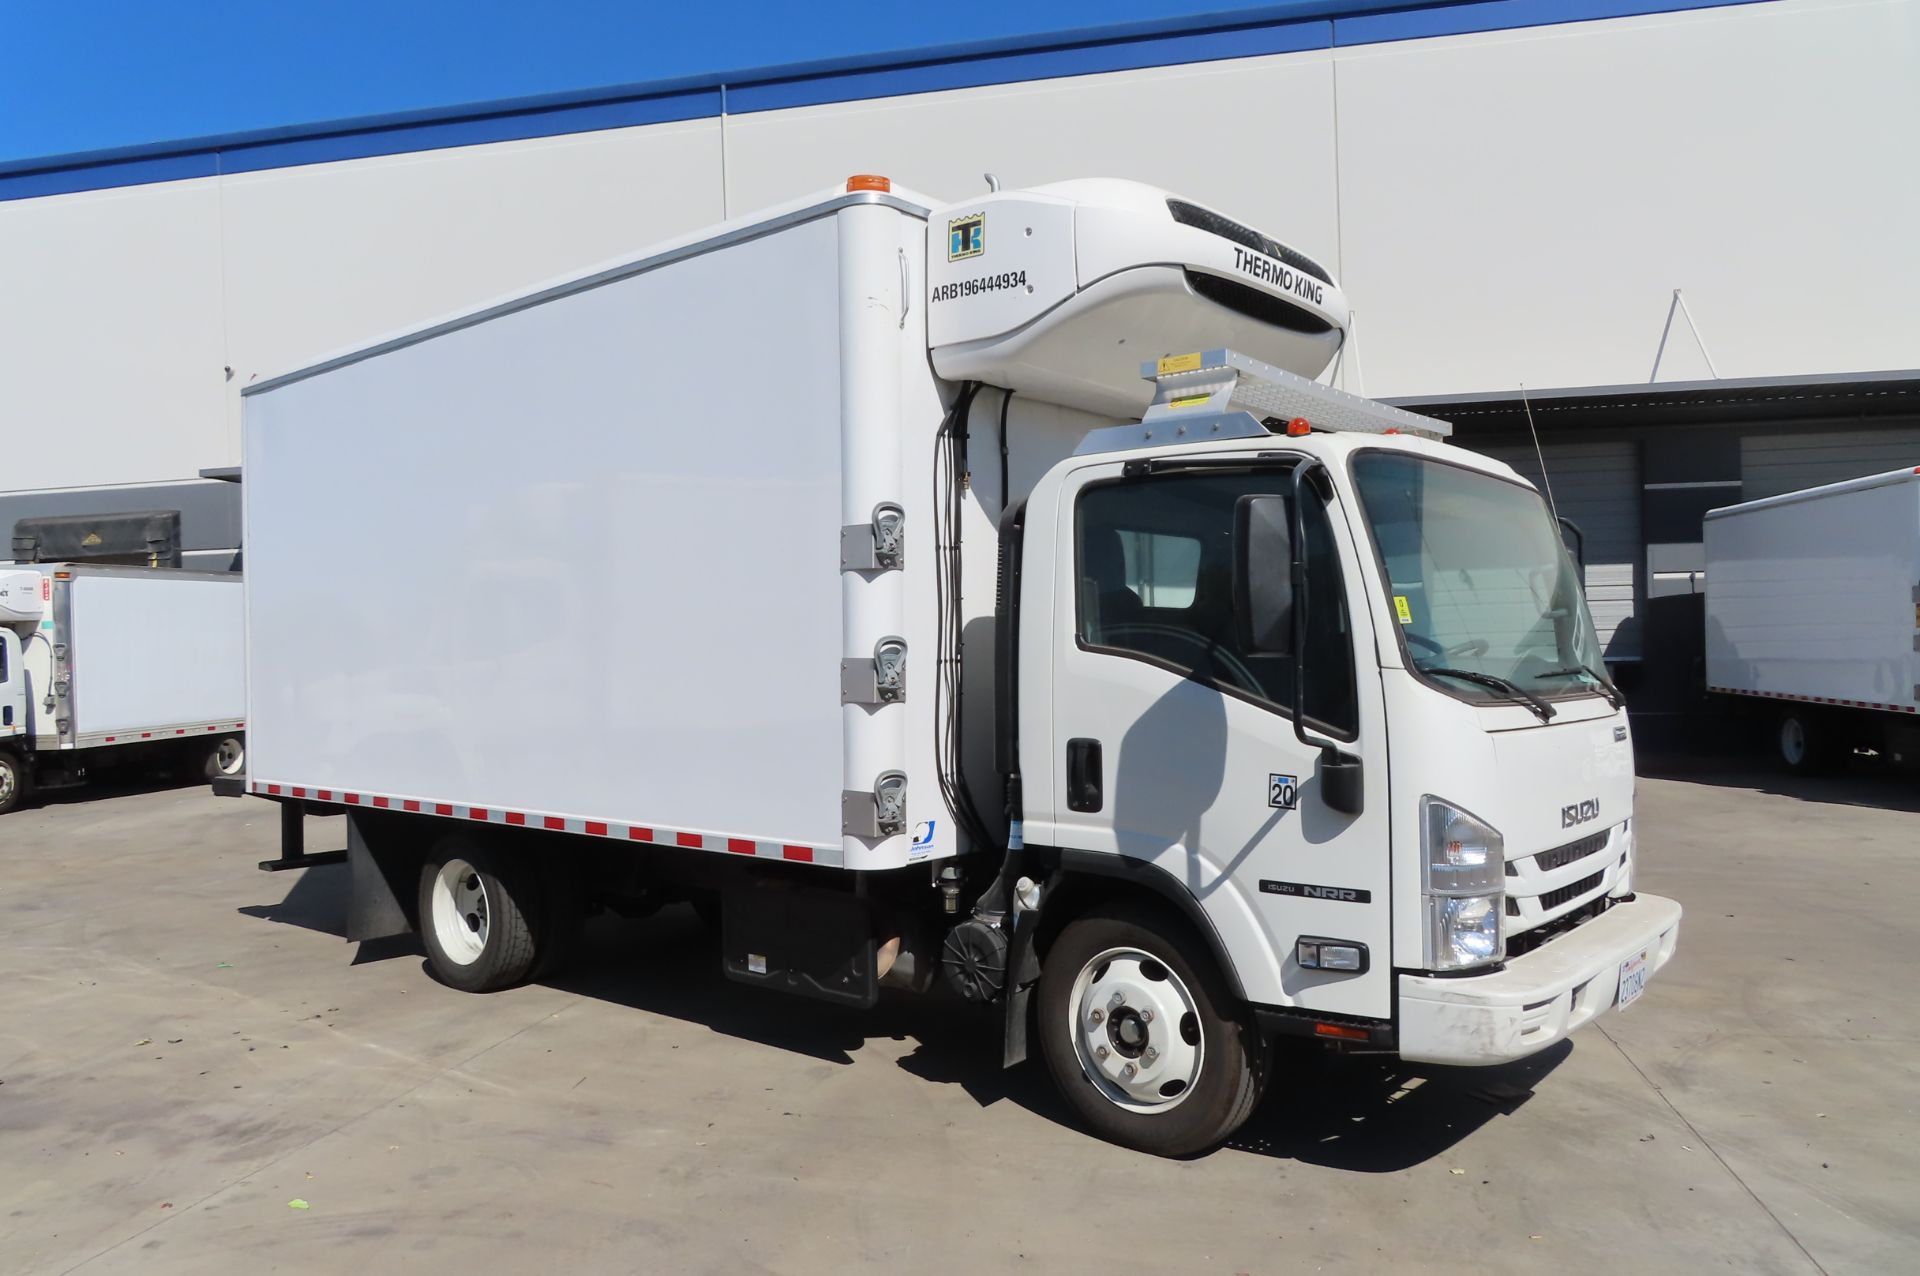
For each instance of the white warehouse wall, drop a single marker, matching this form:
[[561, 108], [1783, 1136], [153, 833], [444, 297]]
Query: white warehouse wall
[[1501, 207]]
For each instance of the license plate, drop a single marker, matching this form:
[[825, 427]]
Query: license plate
[[1633, 979]]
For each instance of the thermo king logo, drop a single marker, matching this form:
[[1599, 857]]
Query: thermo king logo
[[966, 236]]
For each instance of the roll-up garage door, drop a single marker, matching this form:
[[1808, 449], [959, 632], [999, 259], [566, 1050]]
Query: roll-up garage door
[[1596, 487], [1771, 464]]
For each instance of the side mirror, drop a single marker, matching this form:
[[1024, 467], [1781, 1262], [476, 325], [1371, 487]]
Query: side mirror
[[1263, 575]]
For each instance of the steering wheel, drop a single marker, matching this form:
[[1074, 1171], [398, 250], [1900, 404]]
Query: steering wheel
[[1239, 674], [1471, 647]]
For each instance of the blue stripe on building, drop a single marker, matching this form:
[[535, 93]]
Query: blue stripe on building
[[1291, 27]]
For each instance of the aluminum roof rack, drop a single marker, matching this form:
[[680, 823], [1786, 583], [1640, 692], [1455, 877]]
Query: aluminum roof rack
[[1218, 381]]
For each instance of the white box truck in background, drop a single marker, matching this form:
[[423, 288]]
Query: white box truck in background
[[1813, 603], [927, 588], [117, 667]]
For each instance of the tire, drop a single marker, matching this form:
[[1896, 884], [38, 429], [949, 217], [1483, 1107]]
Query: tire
[[1198, 1066], [477, 910], [1803, 743], [227, 756], [16, 780]]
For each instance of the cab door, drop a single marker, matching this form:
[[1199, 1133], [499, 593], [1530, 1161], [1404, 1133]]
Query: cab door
[[1172, 744], [13, 686]]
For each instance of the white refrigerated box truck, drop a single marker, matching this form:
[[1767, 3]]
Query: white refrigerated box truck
[[1813, 612], [926, 587], [117, 667]]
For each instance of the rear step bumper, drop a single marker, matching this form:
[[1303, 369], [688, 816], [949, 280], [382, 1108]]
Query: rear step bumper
[[1539, 998]]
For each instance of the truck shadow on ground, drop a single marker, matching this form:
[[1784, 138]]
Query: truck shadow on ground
[[1365, 1114], [129, 784]]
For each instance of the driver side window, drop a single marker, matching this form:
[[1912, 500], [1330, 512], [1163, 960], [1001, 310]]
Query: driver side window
[[1154, 581]]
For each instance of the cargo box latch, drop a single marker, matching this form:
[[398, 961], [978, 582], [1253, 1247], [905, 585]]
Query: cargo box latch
[[879, 813], [877, 679]]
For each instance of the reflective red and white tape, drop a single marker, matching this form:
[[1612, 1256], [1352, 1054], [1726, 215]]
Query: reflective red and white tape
[[1788, 695], [148, 735], [644, 834]]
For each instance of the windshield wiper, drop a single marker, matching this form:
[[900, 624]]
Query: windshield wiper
[[1540, 707], [1612, 694]]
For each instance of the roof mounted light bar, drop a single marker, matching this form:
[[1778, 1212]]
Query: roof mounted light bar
[[1212, 382]]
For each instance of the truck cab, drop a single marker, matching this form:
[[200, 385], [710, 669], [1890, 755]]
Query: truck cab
[[21, 606], [1338, 688]]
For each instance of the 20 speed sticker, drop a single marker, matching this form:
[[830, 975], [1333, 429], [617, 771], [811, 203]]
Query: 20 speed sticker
[[981, 284]]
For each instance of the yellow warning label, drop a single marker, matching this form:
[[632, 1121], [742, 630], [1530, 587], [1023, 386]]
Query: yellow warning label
[[1180, 363], [1401, 609], [1188, 400]]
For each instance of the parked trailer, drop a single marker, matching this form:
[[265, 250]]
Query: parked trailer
[[926, 588], [109, 667], [1813, 607]]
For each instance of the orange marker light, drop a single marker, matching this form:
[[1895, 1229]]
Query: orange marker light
[[1298, 426], [869, 182], [1341, 1031]]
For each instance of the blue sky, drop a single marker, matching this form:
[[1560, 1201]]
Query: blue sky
[[84, 75]]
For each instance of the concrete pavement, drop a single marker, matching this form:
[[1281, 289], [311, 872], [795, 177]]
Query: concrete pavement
[[187, 1044]]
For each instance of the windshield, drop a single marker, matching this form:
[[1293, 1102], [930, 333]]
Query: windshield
[[1479, 579]]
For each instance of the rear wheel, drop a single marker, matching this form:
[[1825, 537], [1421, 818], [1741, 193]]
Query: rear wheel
[[228, 756], [1144, 1040], [1804, 743], [15, 780], [476, 915]]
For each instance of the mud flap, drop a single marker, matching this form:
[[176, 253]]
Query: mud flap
[[1023, 966], [381, 883]]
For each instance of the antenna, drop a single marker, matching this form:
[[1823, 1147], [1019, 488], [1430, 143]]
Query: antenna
[[1538, 454]]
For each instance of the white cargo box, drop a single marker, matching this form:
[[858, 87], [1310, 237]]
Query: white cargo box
[[665, 456], [125, 655], [1815, 595]]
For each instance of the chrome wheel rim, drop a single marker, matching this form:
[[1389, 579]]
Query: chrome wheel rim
[[460, 912], [1136, 1031], [1793, 741], [229, 756]]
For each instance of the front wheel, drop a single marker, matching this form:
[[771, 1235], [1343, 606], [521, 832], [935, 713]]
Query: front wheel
[[1144, 1040], [15, 779]]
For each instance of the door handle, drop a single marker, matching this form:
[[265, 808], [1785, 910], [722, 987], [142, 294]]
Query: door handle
[[1084, 780]]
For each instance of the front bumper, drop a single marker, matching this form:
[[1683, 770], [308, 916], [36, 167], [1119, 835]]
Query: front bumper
[[1537, 999]]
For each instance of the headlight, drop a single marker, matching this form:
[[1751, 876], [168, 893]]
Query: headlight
[[1465, 866]]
